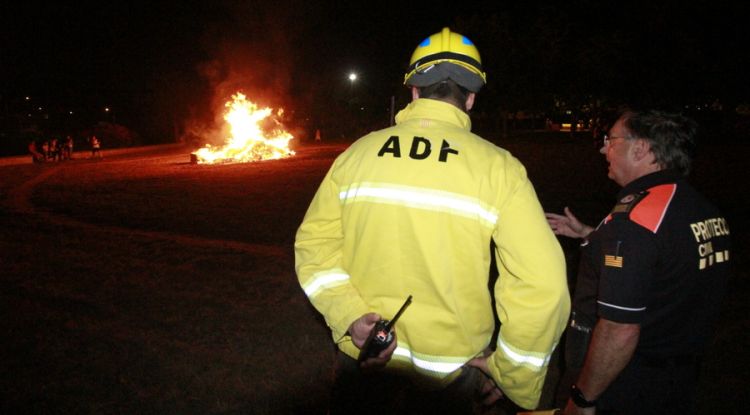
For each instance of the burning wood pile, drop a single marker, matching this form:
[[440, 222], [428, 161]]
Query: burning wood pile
[[250, 139]]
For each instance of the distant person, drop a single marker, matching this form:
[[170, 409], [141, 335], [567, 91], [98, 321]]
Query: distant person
[[96, 145], [36, 156], [651, 278], [68, 148], [317, 134], [54, 149], [413, 210], [45, 150]]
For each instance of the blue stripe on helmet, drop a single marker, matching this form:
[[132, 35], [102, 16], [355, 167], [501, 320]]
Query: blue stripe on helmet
[[425, 42], [466, 40]]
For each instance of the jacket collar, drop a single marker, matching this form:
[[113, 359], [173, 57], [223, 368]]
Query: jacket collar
[[650, 180], [425, 108]]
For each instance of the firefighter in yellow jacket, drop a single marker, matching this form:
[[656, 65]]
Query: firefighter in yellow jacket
[[412, 210]]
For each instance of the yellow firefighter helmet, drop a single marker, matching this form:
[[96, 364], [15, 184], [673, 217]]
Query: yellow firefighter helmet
[[446, 55]]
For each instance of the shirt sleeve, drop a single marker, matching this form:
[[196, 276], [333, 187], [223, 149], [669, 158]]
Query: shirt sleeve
[[627, 260]]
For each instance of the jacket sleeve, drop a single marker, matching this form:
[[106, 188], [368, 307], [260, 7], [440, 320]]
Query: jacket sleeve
[[319, 261], [531, 293]]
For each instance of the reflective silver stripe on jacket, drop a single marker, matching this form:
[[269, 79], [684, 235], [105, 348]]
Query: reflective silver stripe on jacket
[[324, 279], [434, 366], [420, 198], [535, 361]]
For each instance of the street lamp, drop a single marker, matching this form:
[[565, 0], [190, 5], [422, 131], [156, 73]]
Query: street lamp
[[352, 78]]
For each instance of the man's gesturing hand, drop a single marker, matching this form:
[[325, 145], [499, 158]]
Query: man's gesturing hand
[[568, 225]]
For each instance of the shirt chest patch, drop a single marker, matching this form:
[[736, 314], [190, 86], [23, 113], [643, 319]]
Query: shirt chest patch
[[612, 256], [614, 261]]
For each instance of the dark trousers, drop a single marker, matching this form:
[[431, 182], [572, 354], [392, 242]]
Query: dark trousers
[[644, 387], [382, 393], [652, 386], [573, 353]]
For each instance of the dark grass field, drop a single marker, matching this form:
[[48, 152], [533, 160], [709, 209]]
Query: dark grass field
[[143, 284]]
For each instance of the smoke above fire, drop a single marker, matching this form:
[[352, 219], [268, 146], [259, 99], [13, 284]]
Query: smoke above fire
[[254, 49], [250, 80]]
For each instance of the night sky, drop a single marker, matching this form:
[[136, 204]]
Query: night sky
[[97, 49], [162, 62]]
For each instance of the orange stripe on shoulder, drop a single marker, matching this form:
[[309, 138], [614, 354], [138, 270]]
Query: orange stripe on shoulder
[[650, 211]]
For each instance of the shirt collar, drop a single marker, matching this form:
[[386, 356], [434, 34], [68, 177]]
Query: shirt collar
[[650, 180]]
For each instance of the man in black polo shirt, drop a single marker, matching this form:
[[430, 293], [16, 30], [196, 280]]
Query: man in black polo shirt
[[652, 274]]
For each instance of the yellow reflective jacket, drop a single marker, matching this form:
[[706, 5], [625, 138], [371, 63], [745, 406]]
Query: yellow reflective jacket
[[411, 210]]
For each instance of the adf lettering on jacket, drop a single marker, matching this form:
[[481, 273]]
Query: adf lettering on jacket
[[420, 149]]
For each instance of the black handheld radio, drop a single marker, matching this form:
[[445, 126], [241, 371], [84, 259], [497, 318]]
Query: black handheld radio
[[381, 335]]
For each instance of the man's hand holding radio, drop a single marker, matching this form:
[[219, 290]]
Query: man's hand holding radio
[[360, 331]]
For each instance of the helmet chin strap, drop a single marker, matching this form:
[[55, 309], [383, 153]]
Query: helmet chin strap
[[447, 70]]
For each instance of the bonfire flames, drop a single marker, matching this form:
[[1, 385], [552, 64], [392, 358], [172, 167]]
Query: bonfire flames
[[249, 141]]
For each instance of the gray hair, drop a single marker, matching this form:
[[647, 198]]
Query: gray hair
[[672, 137]]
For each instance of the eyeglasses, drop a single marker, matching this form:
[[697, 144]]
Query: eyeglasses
[[607, 139]]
